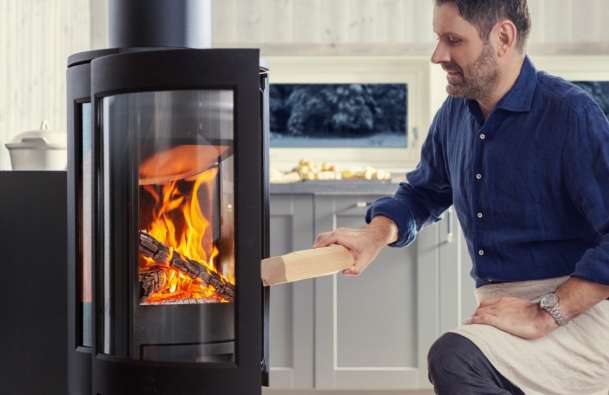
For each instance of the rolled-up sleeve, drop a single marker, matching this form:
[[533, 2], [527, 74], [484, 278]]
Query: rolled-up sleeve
[[585, 161], [426, 193]]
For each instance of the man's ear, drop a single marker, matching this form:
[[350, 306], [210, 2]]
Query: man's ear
[[506, 35]]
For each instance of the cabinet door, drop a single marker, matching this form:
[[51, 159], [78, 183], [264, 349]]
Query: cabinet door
[[457, 301], [291, 314], [373, 331], [468, 285]]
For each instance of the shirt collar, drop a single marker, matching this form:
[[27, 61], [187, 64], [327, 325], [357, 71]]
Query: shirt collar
[[520, 96]]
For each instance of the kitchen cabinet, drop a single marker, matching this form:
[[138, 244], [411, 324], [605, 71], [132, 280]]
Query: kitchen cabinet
[[291, 305], [367, 332], [34, 283]]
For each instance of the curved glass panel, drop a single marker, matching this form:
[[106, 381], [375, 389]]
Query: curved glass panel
[[86, 228], [169, 155]]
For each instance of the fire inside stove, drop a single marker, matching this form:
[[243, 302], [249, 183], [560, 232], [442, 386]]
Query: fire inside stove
[[180, 242]]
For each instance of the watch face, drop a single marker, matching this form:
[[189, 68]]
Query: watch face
[[549, 300]]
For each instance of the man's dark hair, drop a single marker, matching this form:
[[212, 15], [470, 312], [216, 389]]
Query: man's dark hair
[[484, 14]]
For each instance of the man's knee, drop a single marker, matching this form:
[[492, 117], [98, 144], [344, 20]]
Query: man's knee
[[448, 355], [457, 366]]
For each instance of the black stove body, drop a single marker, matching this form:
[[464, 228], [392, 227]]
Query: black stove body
[[167, 214]]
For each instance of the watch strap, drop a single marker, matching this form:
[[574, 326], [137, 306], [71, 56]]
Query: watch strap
[[556, 313]]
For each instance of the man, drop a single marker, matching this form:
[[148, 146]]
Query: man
[[524, 158]]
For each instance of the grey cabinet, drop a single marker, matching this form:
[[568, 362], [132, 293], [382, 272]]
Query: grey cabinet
[[291, 312], [368, 329], [371, 331], [457, 301]]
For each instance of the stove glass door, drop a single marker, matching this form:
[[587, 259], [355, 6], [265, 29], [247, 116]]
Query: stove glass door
[[177, 147]]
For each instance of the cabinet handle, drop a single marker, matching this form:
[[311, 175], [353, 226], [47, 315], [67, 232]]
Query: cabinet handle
[[414, 136], [449, 225], [362, 204]]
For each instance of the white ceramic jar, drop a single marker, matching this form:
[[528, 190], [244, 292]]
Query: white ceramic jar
[[39, 150]]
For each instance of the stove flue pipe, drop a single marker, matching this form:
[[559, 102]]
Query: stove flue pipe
[[160, 23]]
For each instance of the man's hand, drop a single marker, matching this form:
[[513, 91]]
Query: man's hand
[[514, 315], [364, 243]]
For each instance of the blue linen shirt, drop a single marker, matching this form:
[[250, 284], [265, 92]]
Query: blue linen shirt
[[530, 184]]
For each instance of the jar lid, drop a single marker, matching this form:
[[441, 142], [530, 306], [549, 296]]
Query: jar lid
[[42, 138]]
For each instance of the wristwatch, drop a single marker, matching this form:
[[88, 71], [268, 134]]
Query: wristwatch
[[549, 302]]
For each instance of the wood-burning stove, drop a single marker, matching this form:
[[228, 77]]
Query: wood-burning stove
[[168, 220]]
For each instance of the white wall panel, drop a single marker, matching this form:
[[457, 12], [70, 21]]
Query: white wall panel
[[277, 21], [362, 21], [587, 20], [305, 21], [249, 14], [408, 21], [389, 22], [225, 24], [36, 37], [536, 10], [558, 24], [422, 17], [603, 11], [334, 16]]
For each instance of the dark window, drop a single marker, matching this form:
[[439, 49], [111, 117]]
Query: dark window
[[339, 115]]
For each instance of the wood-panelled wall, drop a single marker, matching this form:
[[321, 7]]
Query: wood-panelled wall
[[336, 22], [36, 37], [321, 21]]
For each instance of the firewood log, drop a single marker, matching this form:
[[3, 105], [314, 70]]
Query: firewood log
[[161, 254], [152, 281], [302, 265]]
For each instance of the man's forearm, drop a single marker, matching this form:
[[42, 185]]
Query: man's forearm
[[386, 227], [577, 295]]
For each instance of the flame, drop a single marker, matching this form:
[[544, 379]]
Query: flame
[[178, 221]]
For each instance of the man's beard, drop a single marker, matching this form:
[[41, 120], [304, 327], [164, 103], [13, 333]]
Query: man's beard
[[478, 79]]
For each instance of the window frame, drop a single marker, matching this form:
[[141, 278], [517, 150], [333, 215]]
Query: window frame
[[574, 68], [413, 71]]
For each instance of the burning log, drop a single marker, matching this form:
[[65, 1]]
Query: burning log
[[152, 281]]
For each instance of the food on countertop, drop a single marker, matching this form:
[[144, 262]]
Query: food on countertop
[[308, 171], [279, 177]]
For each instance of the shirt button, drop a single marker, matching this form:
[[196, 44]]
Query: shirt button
[[481, 252], [478, 176], [482, 136], [479, 214]]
